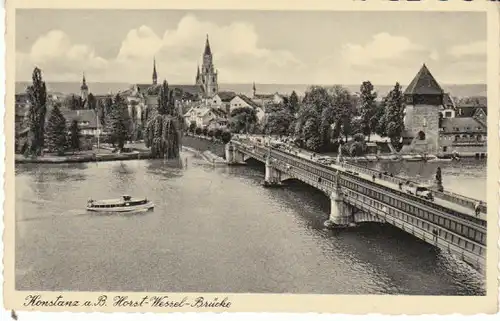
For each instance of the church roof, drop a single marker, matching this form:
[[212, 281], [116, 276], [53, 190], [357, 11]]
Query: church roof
[[226, 96], [424, 84]]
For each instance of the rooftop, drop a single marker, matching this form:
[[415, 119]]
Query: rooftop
[[424, 84]]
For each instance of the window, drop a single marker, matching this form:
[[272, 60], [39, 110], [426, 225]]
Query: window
[[447, 114]]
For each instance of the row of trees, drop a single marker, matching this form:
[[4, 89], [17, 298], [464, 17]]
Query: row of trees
[[75, 102], [217, 133], [327, 116], [53, 133]]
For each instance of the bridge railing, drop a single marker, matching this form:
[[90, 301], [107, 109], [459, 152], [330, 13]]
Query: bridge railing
[[445, 195]]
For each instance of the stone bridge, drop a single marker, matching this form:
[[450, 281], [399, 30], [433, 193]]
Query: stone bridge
[[448, 222]]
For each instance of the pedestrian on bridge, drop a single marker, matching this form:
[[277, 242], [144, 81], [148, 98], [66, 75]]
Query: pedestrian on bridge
[[476, 209], [373, 177]]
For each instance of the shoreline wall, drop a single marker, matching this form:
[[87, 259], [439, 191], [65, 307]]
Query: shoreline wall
[[202, 145]]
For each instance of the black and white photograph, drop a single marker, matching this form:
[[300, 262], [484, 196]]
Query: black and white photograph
[[251, 151]]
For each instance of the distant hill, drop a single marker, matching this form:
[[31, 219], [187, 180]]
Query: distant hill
[[105, 88]]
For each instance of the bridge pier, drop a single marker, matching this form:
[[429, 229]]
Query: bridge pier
[[272, 177], [233, 156], [341, 213]]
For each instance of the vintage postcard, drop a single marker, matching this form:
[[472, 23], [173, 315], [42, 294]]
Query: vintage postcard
[[252, 156]]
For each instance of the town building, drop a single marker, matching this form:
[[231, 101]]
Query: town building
[[264, 99], [424, 101], [466, 132], [86, 119], [435, 123], [222, 100], [206, 117], [240, 101]]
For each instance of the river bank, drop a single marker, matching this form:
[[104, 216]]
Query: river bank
[[82, 158], [202, 144]]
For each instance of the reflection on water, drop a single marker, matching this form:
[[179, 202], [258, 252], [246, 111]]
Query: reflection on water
[[466, 177], [213, 229]]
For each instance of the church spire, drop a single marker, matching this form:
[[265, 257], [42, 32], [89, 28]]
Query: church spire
[[84, 83], [254, 89], [197, 73], [155, 75], [208, 51]]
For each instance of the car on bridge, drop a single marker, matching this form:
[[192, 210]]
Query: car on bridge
[[419, 190]]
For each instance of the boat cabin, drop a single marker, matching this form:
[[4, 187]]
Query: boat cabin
[[125, 201]]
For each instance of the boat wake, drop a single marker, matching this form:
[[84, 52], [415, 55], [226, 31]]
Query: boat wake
[[66, 214]]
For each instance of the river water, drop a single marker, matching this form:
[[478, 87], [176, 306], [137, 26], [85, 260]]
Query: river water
[[213, 230]]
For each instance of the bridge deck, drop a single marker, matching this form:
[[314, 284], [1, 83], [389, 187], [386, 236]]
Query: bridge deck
[[437, 200]]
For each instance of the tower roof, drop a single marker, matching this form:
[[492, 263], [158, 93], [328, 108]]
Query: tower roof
[[424, 84], [155, 75], [84, 83], [207, 51]]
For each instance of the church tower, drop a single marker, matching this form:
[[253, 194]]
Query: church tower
[[84, 89], [208, 77], [424, 99], [155, 75]]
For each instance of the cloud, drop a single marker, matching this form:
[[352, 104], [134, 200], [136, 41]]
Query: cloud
[[239, 57], [237, 54], [56, 54], [477, 48], [382, 48]]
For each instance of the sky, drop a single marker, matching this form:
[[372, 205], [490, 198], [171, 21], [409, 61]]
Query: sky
[[302, 47]]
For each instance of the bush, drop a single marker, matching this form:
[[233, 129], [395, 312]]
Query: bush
[[205, 131], [218, 133], [211, 133], [198, 131], [226, 137], [192, 127]]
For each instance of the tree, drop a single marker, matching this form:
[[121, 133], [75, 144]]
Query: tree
[[92, 101], [344, 110], [74, 136], [395, 114], [379, 119], [37, 96], [293, 103], [205, 131], [311, 138], [243, 119], [163, 129], [56, 131], [367, 108], [198, 131], [226, 137], [119, 122], [278, 122], [73, 102], [192, 126], [439, 179]]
